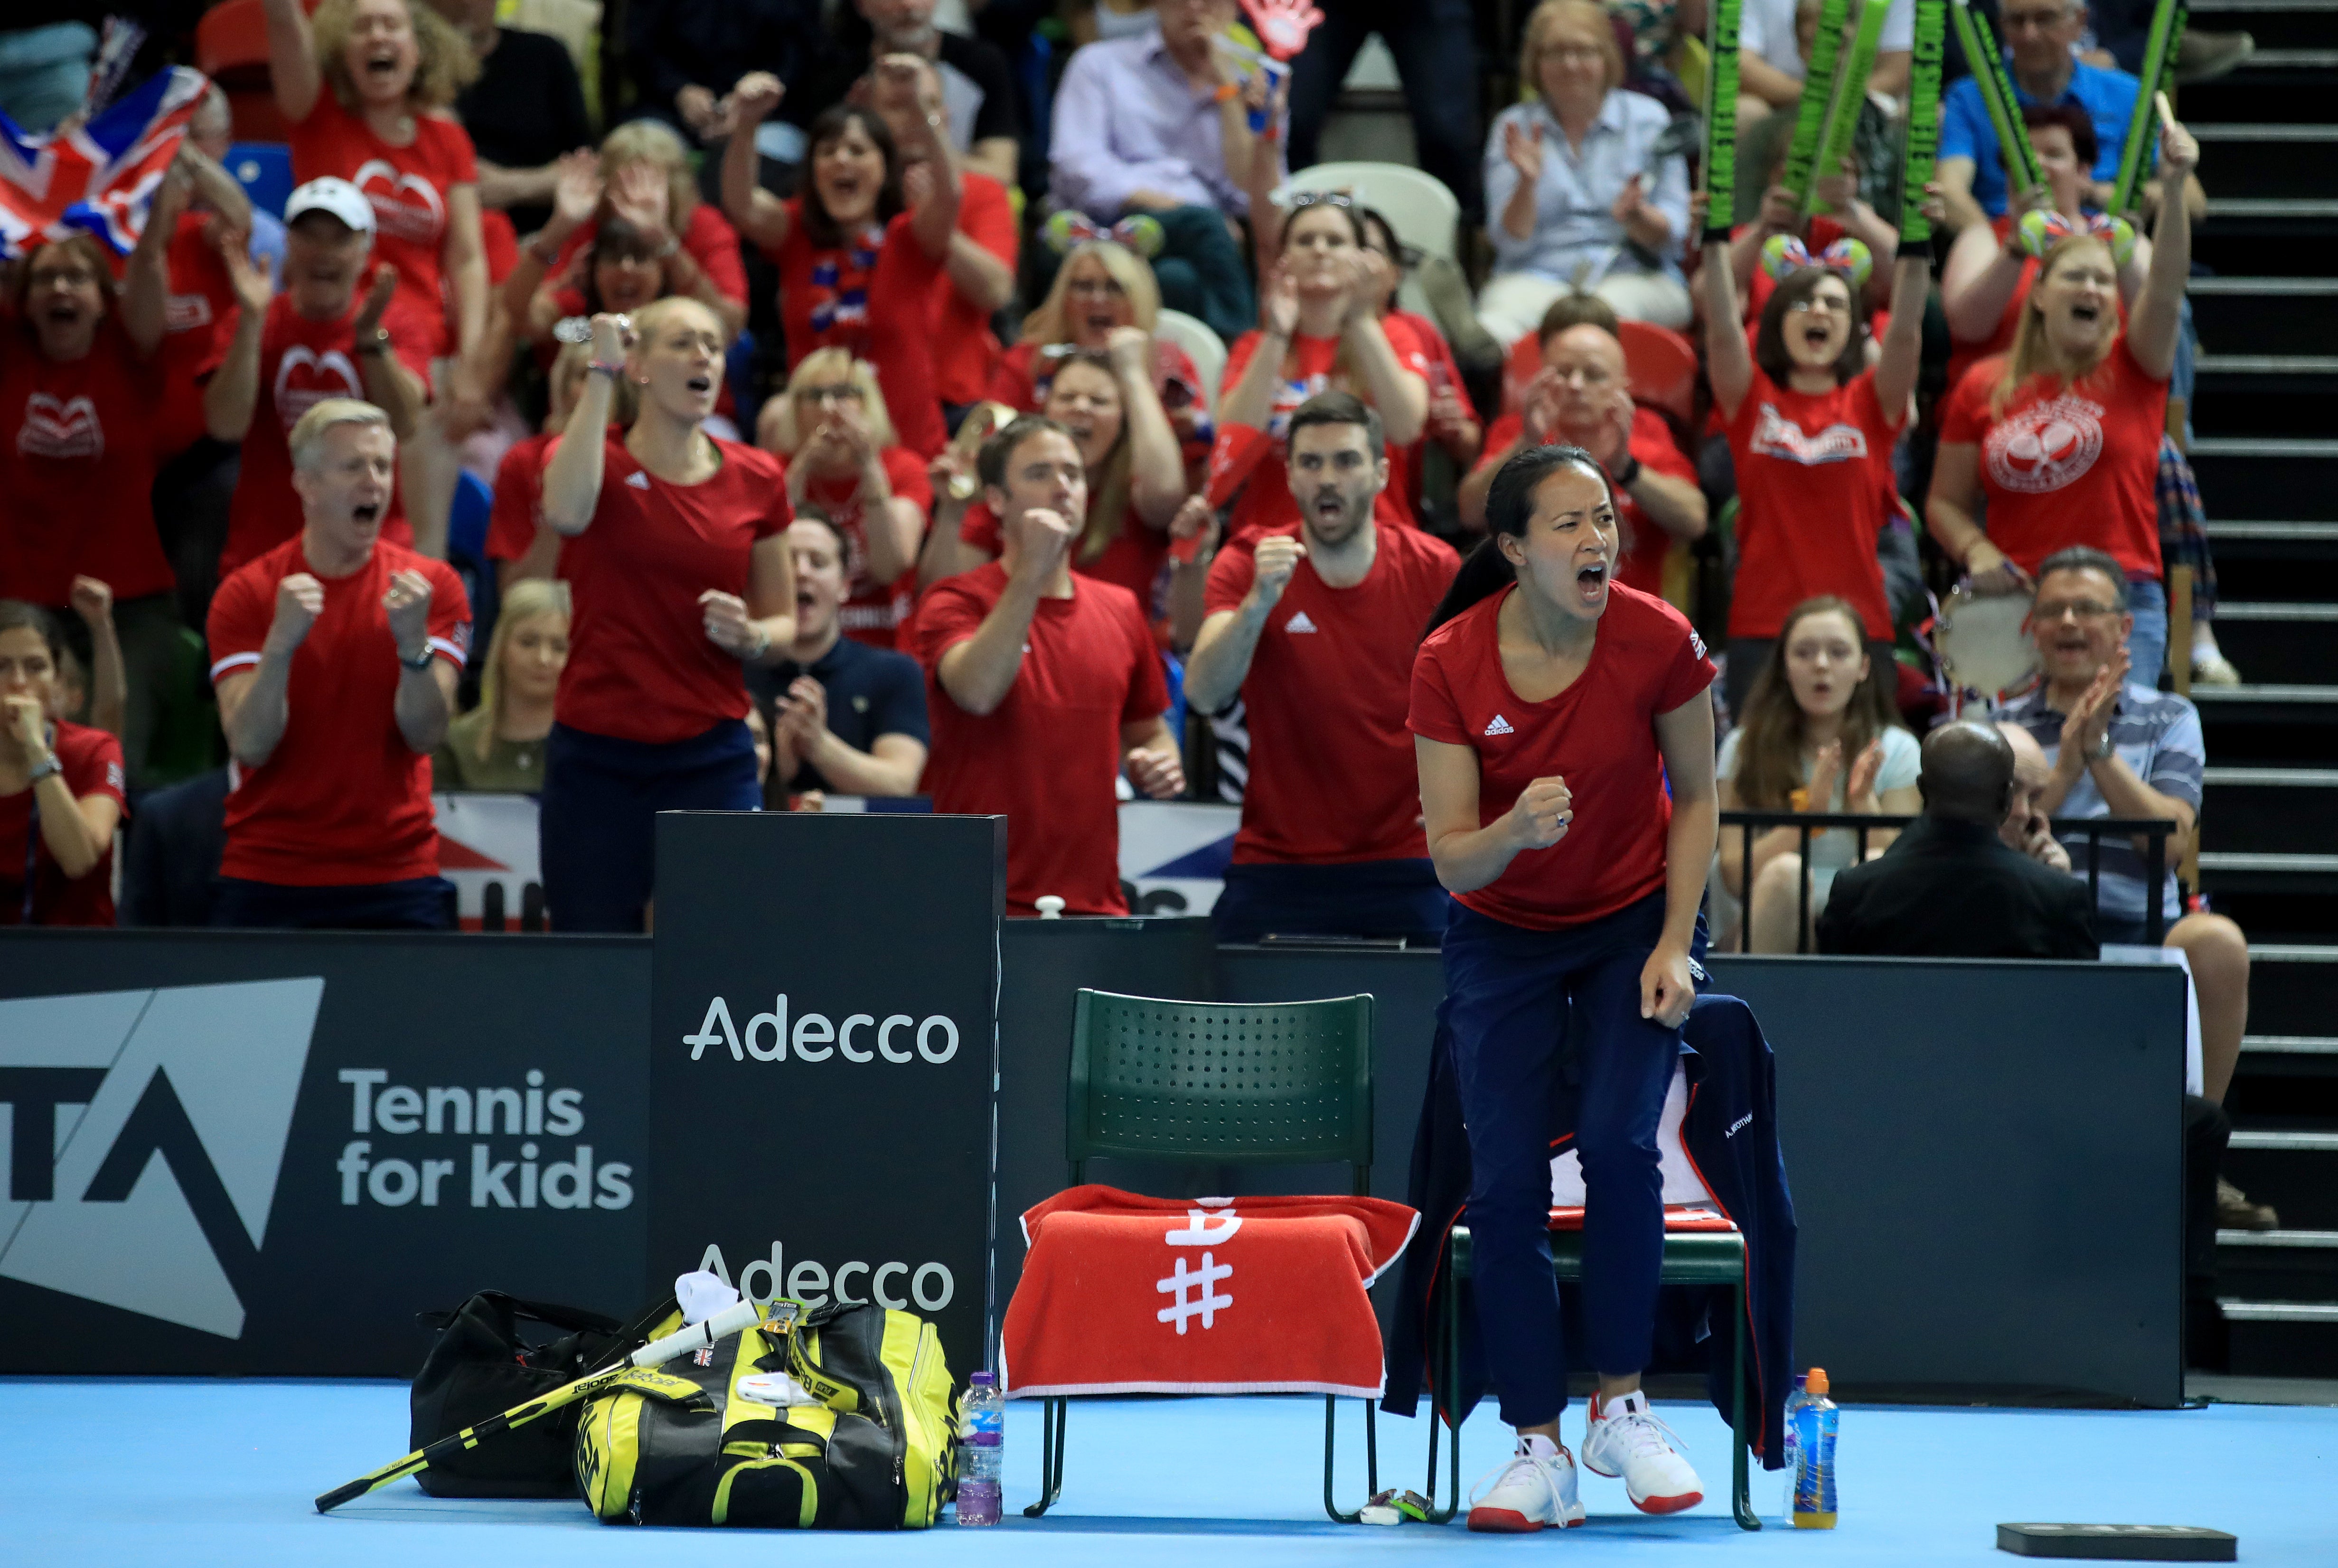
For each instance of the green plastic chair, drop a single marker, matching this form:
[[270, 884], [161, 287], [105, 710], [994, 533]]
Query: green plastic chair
[[1690, 1258], [1226, 1083]]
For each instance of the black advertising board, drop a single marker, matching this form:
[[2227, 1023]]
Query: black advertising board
[[271, 1151], [824, 1004]]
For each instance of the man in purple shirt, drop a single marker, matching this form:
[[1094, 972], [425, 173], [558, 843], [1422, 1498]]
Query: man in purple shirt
[[1156, 123]]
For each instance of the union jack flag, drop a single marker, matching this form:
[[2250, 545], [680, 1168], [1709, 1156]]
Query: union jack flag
[[99, 178]]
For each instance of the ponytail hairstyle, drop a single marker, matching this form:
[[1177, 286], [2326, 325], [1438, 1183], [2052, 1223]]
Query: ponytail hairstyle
[[1509, 506]]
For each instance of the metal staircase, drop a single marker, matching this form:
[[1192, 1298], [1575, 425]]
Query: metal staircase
[[2266, 414]]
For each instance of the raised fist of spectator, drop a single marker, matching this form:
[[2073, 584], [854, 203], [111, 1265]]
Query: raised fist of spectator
[[299, 600], [1195, 519], [1046, 543], [379, 291], [1157, 775], [899, 78], [93, 601], [611, 336], [1276, 558], [408, 604], [699, 108], [1131, 348], [753, 99], [1782, 213], [1538, 819]]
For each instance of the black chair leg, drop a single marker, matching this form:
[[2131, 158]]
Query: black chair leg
[[1742, 1502], [1051, 1457], [1447, 1359], [1371, 1457]]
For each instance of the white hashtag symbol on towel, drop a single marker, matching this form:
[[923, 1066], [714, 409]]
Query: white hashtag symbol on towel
[[1204, 1299]]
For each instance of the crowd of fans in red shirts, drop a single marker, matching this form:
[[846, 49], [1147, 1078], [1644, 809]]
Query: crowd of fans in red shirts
[[897, 554]]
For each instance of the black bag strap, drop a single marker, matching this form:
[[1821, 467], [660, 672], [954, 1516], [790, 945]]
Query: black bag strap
[[575, 1319]]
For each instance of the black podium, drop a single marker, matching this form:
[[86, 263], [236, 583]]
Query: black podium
[[823, 1007]]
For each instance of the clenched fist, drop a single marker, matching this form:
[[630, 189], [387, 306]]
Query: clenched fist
[[299, 600], [1277, 557], [407, 604], [1045, 542], [1541, 816]]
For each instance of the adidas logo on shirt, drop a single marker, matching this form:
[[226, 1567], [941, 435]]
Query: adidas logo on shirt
[[638, 480], [1299, 622], [1500, 726]]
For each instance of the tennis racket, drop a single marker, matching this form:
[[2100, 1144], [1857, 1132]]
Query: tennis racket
[[637, 1370]]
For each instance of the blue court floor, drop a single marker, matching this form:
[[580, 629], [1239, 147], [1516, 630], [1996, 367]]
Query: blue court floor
[[95, 1473]]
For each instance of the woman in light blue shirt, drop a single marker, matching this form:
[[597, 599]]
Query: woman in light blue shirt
[[1571, 198]]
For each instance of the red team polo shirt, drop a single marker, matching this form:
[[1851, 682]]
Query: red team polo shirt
[[1266, 499], [640, 665], [1332, 778], [872, 611], [1132, 559], [872, 295], [2069, 465], [77, 457], [1599, 735], [1046, 757], [1646, 546], [92, 766], [343, 801], [406, 185], [301, 364], [1814, 474]]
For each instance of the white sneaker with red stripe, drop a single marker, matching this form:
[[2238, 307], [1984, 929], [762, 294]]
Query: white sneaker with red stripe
[[1533, 1490], [1626, 1438]]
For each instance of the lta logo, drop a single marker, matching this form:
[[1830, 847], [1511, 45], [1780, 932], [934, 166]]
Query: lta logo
[[146, 1132]]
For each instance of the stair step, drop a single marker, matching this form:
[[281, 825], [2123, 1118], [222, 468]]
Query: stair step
[[2280, 1311], [2277, 642], [2281, 1047], [2317, 1240], [2290, 987], [2268, 809], [2267, 476], [2243, 532], [2264, 314], [2274, 24], [2284, 207], [2273, 562], [2267, 364], [2284, 862], [2280, 1142], [2281, 1347]]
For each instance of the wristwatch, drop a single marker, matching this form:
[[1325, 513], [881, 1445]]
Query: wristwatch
[[46, 768], [2101, 751], [375, 342], [421, 661], [1628, 472]]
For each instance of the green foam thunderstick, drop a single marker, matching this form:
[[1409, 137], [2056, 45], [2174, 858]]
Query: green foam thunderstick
[[1850, 93], [1923, 120], [1721, 119], [2158, 70], [1988, 66], [1818, 91]]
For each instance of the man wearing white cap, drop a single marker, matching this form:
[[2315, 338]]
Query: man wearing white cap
[[280, 355]]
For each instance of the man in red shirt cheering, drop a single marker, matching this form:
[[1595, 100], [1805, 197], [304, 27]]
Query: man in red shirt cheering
[[276, 357], [335, 656], [1315, 626], [1044, 686]]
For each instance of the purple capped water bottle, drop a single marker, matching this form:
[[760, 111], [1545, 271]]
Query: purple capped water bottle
[[981, 1450]]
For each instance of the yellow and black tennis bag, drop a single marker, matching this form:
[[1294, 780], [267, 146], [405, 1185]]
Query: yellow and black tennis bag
[[874, 1454]]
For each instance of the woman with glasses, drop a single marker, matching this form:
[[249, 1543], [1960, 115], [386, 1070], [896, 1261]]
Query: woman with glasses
[[832, 430], [2060, 437], [1810, 429], [1452, 419], [1102, 287], [1324, 332], [1574, 197], [860, 249]]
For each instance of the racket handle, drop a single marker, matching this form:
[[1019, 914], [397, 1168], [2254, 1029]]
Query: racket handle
[[697, 1337], [351, 1491]]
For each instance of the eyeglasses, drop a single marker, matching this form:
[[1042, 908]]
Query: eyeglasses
[[1581, 375], [61, 278], [1096, 289], [2016, 21], [841, 392], [1574, 53], [1813, 302], [2084, 609]]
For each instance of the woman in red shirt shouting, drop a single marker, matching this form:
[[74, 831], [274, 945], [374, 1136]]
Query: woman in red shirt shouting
[[1565, 742], [674, 548], [860, 249], [2062, 434], [367, 86]]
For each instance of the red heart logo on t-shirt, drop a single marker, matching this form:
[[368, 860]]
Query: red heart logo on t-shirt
[[405, 206], [53, 429], [305, 378]]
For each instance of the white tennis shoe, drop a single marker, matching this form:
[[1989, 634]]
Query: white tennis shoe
[[1626, 1439], [1533, 1490]]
